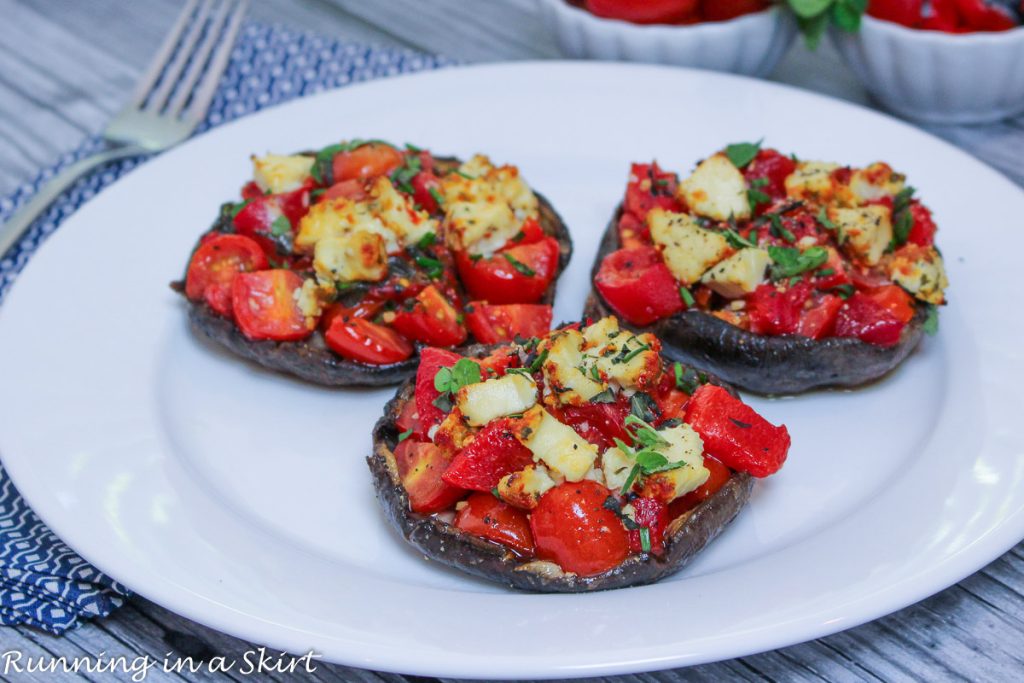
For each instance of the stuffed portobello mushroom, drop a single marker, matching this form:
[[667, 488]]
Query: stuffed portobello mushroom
[[576, 461], [776, 274], [337, 266]]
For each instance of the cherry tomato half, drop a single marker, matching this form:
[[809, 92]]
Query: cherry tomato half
[[638, 285], [572, 528], [367, 161], [360, 340], [493, 324], [214, 266], [518, 274], [265, 308], [487, 517]]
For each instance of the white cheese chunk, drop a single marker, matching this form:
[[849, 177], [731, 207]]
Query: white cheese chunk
[[555, 444], [567, 370], [688, 249], [353, 257], [398, 214], [865, 231], [920, 271], [812, 180], [631, 361], [484, 401], [275, 173], [339, 217], [739, 274], [875, 182], [616, 466], [716, 189], [523, 489], [480, 227]]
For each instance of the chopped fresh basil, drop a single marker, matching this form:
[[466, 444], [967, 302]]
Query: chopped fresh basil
[[450, 380], [281, 226], [606, 396], [755, 197], [780, 230], [645, 539], [931, 323], [413, 148], [538, 362], [825, 221], [237, 208], [687, 297], [742, 153], [436, 194], [434, 268], [628, 484], [688, 380], [643, 406], [636, 352], [464, 175], [519, 265], [737, 241], [428, 240], [405, 435], [790, 261], [843, 291], [443, 403]]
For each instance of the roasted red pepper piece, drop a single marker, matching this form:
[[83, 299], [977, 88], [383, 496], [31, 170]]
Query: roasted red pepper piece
[[775, 312], [735, 434], [487, 517], [420, 464], [599, 423], [493, 453]]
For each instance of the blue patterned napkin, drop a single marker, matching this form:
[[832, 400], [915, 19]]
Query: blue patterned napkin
[[43, 583]]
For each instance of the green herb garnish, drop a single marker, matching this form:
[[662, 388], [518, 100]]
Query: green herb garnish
[[645, 539], [687, 297], [814, 16], [405, 435], [519, 265], [464, 372], [790, 261], [237, 208], [931, 322], [281, 226], [436, 194], [434, 268], [742, 153], [737, 241], [825, 221], [428, 240]]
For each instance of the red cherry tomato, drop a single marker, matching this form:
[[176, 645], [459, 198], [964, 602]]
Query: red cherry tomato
[[346, 189], [272, 219], [364, 309], [651, 514], [572, 528], [492, 324], [264, 305], [638, 286], [723, 10], [985, 15], [644, 11], [515, 275], [819, 321], [431, 360], [906, 12], [367, 161], [772, 312], [408, 421], [735, 434], [895, 300], [866, 319], [422, 184], [216, 263], [420, 465], [432, 320], [923, 230], [487, 517], [772, 166], [493, 453], [360, 340]]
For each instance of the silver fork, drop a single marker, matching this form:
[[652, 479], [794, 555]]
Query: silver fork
[[167, 105]]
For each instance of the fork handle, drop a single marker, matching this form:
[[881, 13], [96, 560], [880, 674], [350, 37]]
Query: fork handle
[[17, 224]]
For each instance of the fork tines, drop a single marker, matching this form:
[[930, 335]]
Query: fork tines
[[183, 75]]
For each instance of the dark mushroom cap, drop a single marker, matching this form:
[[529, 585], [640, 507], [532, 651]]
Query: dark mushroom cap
[[686, 535], [764, 364], [311, 359]]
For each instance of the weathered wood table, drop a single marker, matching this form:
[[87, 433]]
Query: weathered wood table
[[66, 66]]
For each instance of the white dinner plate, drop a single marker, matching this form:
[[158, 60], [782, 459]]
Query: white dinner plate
[[241, 499]]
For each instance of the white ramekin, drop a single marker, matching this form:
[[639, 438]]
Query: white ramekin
[[752, 44], [938, 77]]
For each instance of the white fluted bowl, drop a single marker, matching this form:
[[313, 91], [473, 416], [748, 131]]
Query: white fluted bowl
[[752, 44], [938, 77]]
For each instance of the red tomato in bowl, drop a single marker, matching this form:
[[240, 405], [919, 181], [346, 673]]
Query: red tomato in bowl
[[644, 11], [723, 10]]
